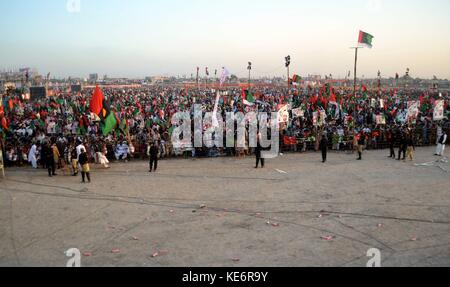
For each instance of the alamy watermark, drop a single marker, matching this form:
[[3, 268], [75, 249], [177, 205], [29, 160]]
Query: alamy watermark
[[75, 257], [73, 6], [250, 130], [375, 257]]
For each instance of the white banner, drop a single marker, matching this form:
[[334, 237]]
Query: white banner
[[283, 114], [298, 113], [439, 110], [413, 109]]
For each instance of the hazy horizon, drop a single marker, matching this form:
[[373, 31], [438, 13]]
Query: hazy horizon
[[138, 38]]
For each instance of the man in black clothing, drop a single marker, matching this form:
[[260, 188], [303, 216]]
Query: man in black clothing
[[152, 152], [361, 144], [47, 158], [324, 147], [403, 146], [258, 152], [391, 141]]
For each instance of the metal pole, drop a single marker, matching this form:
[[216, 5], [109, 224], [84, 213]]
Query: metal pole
[[354, 81], [289, 83]]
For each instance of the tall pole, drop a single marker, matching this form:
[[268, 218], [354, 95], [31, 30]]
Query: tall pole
[[198, 87], [354, 81], [249, 68], [289, 82]]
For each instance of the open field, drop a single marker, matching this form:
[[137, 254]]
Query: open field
[[223, 212]]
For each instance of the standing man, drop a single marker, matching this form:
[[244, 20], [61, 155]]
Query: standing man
[[410, 146], [440, 150], [403, 146], [258, 152], [84, 163], [47, 158], [32, 156], [361, 144], [152, 152], [391, 141], [324, 147]]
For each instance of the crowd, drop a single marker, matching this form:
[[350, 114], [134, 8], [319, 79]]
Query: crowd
[[54, 132]]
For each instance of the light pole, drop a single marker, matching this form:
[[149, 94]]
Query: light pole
[[288, 63], [249, 68]]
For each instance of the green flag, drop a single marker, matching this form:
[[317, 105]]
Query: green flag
[[110, 124]]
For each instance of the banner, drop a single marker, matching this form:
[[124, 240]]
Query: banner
[[322, 118], [297, 113], [315, 118], [439, 110], [413, 109], [283, 114], [381, 120], [373, 103]]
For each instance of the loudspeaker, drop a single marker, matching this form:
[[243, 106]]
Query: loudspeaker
[[37, 93]]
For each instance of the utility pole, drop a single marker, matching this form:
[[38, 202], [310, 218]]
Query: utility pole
[[249, 68], [288, 63], [354, 72], [198, 87]]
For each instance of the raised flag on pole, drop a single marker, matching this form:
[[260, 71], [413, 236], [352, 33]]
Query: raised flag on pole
[[365, 39], [224, 76], [96, 105], [247, 98], [110, 124]]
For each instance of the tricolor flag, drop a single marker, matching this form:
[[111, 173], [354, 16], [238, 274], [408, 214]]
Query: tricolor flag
[[247, 98], [365, 39], [296, 80]]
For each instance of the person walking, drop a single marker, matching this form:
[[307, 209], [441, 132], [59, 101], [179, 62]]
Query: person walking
[[440, 150], [48, 159], [152, 152]]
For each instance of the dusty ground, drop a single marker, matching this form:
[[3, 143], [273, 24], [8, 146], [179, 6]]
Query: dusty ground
[[397, 207]]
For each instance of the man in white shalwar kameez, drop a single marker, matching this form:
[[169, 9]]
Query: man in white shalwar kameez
[[32, 156]]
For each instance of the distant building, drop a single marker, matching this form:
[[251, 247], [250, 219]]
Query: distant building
[[93, 78]]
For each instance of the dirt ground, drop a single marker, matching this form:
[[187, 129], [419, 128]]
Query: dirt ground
[[223, 212]]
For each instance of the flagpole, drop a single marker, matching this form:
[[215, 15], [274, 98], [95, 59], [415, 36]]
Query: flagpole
[[354, 75]]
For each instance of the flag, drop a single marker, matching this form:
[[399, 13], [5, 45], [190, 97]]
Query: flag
[[296, 80], [214, 115], [224, 76], [124, 126], [96, 105], [4, 124], [110, 124], [247, 98], [365, 39]]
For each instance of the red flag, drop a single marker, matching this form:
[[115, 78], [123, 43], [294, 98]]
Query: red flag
[[4, 124], [96, 105], [11, 104]]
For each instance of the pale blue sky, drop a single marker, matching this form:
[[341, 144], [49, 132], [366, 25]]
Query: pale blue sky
[[137, 38]]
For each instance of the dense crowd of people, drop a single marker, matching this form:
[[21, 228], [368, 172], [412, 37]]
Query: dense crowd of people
[[61, 132]]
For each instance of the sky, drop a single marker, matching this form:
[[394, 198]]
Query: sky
[[139, 38]]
